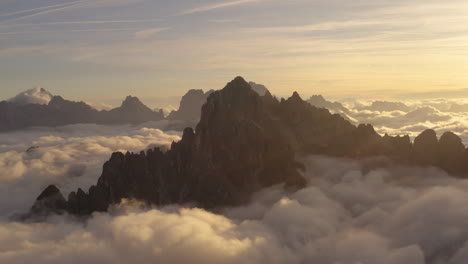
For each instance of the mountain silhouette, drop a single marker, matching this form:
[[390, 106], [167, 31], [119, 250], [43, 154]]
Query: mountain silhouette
[[243, 143], [58, 112], [36, 95], [192, 102], [190, 106]]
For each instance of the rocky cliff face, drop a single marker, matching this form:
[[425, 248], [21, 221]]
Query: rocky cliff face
[[245, 142]]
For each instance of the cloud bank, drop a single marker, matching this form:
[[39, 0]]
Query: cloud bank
[[406, 117], [368, 211], [70, 156]]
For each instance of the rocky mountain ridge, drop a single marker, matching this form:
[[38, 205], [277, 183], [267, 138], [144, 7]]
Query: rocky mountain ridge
[[38, 107], [245, 142], [58, 112]]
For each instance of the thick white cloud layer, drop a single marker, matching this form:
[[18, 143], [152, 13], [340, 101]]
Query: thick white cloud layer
[[369, 211], [70, 157]]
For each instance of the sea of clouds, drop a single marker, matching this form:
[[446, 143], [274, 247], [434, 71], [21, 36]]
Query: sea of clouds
[[410, 117], [367, 211], [69, 156]]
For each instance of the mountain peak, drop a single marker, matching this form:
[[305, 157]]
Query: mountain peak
[[295, 97], [56, 101], [49, 201], [241, 145], [317, 98], [239, 79], [238, 84], [49, 191], [131, 101], [236, 96], [133, 110], [37, 95]]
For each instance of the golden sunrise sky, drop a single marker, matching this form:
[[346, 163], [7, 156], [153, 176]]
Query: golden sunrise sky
[[106, 49]]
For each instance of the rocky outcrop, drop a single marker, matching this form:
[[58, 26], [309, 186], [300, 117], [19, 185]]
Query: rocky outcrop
[[190, 106], [60, 112], [450, 152], [49, 201], [424, 150], [245, 142], [234, 152]]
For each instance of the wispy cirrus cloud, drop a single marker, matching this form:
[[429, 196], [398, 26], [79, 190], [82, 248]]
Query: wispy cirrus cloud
[[329, 26], [214, 6], [83, 22], [68, 30], [387, 46], [46, 10], [43, 10], [147, 33], [34, 9]]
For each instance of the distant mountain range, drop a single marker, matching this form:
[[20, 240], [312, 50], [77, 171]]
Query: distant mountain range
[[38, 107], [18, 114], [245, 142]]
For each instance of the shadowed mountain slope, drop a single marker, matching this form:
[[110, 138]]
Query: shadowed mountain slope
[[60, 112], [245, 142]]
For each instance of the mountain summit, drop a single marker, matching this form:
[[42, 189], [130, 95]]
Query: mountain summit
[[245, 142], [37, 95], [132, 102], [191, 103], [132, 111]]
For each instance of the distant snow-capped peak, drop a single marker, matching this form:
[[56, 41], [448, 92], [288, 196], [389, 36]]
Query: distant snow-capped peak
[[37, 95]]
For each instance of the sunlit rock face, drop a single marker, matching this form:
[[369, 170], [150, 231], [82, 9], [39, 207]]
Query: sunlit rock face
[[58, 112], [245, 142]]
